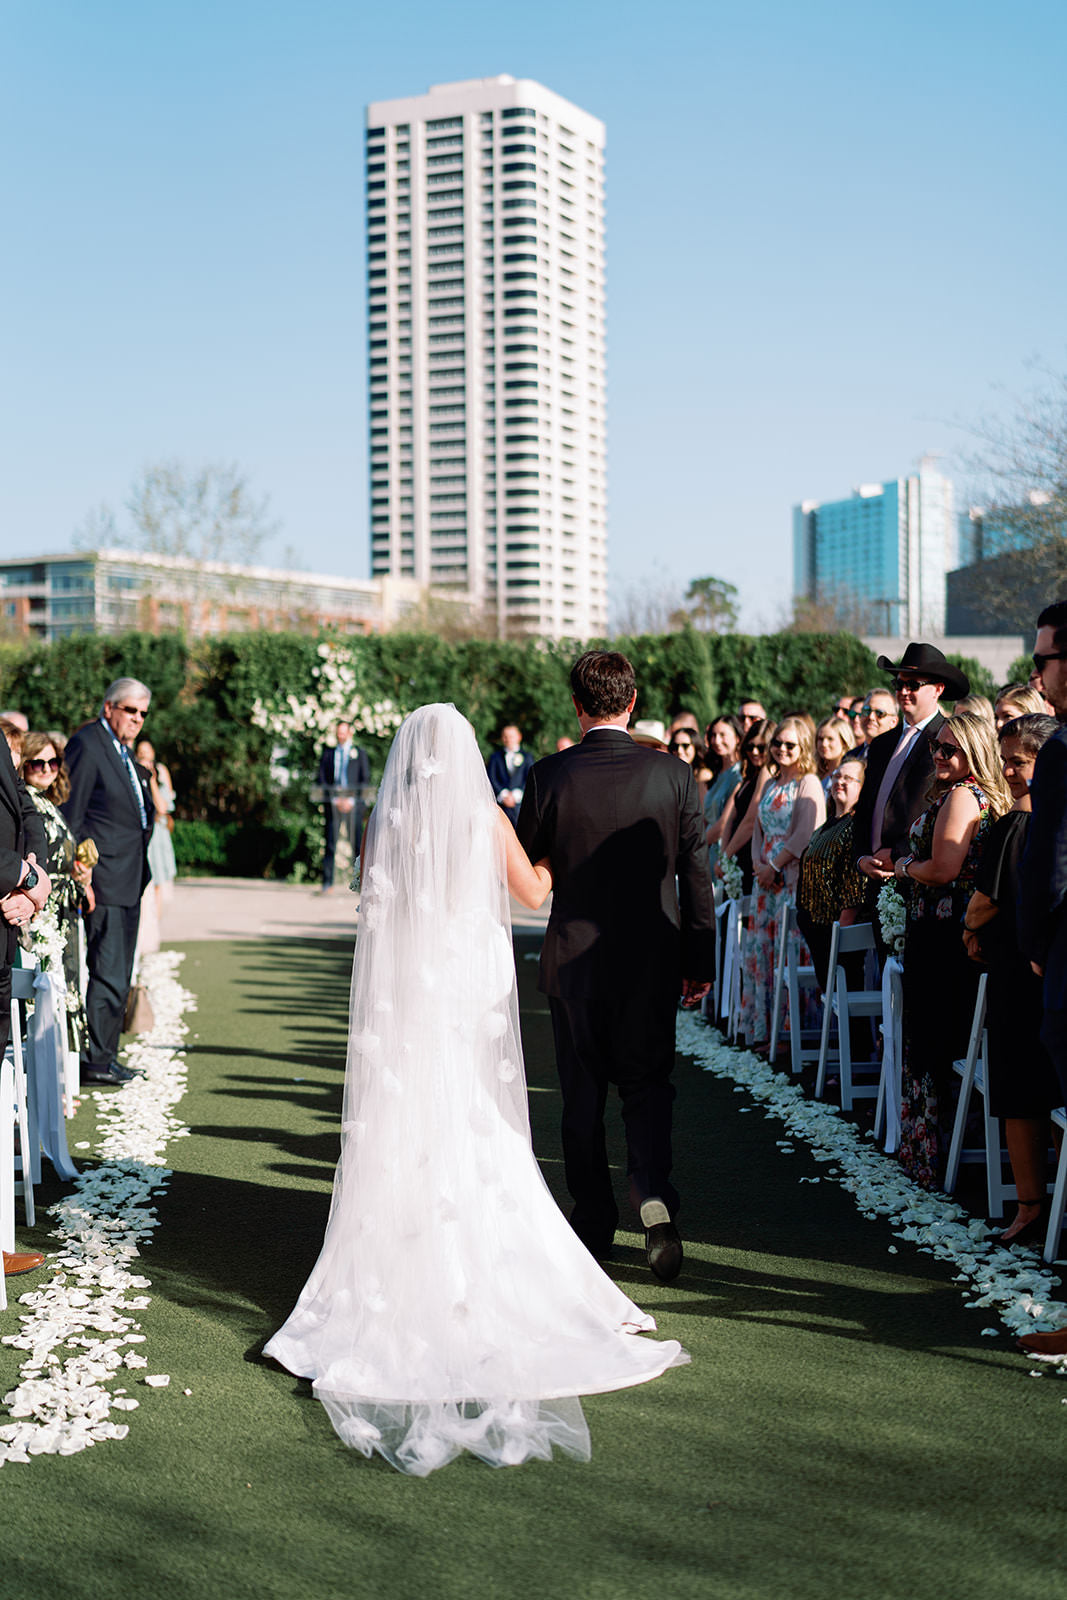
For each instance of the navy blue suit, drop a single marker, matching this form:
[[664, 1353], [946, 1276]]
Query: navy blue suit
[[102, 806], [501, 778], [1042, 910]]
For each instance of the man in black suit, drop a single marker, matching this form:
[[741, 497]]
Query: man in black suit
[[507, 768], [899, 763], [110, 802], [1042, 911], [344, 766], [24, 888], [631, 927]]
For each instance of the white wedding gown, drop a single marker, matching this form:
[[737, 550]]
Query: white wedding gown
[[452, 1306]]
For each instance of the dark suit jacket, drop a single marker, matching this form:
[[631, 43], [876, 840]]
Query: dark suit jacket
[[632, 905], [1042, 909], [907, 798], [358, 766], [501, 778], [102, 807], [21, 833]]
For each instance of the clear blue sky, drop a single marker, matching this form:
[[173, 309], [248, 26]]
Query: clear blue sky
[[833, 230]]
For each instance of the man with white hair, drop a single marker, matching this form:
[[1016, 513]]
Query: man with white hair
[[111, 803]]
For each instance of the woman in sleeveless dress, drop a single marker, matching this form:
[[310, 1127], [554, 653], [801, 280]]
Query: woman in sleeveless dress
[[452, 1306]]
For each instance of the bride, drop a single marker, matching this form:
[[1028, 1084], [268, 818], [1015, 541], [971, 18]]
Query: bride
[[452, 1307]]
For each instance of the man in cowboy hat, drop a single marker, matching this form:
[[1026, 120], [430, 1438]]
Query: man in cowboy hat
[[899, 763]]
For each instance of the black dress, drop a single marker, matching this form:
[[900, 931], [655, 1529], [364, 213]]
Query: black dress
[[1022, 1078], [742, 800]]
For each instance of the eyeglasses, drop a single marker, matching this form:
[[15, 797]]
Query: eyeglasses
[[879, 716], [911, 685], [1050, 655], [784, 744], [755, 749], [132, 711], [679, 744], [943, 751], [37, 765]]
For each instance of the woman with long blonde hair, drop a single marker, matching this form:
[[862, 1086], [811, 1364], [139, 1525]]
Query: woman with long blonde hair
[[937, 878]]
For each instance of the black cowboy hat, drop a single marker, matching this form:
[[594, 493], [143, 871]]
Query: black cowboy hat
[[926, 661]]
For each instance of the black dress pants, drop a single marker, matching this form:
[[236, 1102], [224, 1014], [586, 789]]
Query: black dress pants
[[628, 1042], [111, 943]]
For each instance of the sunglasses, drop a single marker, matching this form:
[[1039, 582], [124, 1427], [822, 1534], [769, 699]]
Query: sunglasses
[[912, 684], [756, 749], [784, 744], [132, 711], [679, 744], [879, 715], [1051, 655], [942, 751], [42, 766]]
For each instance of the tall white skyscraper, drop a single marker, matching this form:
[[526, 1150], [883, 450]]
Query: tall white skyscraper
[[485, 279]]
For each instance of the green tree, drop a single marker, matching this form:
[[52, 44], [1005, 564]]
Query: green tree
[[710, 604]]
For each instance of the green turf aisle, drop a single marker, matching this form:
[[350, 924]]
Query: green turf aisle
[[843, 1429]]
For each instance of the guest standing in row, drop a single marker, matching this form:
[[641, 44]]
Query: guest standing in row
[[789, 810], [940, 983], [724, 759], [110, 802], [1021, 1082], [739, 813]]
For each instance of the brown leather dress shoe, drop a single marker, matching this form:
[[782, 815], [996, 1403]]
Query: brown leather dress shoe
[[28, 1261], [1053, 1343]]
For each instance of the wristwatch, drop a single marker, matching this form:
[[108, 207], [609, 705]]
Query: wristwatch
[[31, 880]]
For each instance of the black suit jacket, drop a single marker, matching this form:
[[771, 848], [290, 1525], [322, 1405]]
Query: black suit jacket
[[102, 807], [907, 798], [632, 905], [1042, 909], [21, 833], [358, 766]]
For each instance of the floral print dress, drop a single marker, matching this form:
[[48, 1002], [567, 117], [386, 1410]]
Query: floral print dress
[[940, 984], [66, 900], [759, 945]]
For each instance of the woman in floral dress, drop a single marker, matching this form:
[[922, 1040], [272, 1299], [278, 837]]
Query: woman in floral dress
[[790, 808], [47, 784], [940, 982]]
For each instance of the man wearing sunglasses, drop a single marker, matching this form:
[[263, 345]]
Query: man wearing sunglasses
[[899, 763], [111, 803], [1042, 912]]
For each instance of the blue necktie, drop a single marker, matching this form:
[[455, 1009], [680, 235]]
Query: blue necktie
[[342, 770], [136, 786]]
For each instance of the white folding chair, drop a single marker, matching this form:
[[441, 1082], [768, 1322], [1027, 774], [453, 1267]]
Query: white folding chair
[[27, 1143], [887, 1108], [742, 910], [7, 1162], [1059, 1193], [845, 1004], [972, 1072], [789, 976], [722, 922]]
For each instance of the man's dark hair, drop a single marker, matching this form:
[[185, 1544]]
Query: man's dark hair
[[603, 683], [1055, 617]]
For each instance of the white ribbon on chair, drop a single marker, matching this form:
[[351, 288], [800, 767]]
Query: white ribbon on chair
[[729, 908], [892, 1049], [47, 1066]]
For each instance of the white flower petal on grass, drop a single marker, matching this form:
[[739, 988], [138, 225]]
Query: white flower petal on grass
[[1014, 1284], [73, 1329]]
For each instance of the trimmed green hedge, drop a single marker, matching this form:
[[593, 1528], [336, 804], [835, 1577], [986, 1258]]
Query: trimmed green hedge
[[235, 816]]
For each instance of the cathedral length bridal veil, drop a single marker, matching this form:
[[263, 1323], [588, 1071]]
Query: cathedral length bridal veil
[[452, 1307]]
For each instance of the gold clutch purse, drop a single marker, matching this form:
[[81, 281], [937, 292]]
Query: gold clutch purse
[[87, 853]]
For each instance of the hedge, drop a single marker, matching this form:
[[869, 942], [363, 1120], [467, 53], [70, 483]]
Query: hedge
[[234, 815]]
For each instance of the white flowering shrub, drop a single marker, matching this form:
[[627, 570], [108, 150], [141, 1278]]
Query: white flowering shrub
[[336, 696]]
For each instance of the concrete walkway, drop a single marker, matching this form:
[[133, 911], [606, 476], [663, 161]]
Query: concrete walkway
[[250, 908]]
